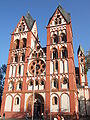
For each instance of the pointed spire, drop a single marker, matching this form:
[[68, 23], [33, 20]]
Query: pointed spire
[[30, 21], [80, 49]]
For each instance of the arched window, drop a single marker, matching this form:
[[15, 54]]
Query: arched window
[[34, 54], [19, 85], [23, 57], [36, 82], [54, 101], [55, 53], [40, 54], [55, 66], [17, 101], [11, 86], [64, 53], [8, 103], [42, 82], [42, 85], [55, 39], [21, 27], [17, 44], [19, 69], [30, 85], [57, 20], [55, 84], [65, 83], [65, 103], [16, 58], [24, 42], [63, 38]]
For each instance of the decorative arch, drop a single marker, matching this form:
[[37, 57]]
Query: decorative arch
[[65, 83], [19, 85], [63, 37], [65, 102], [16, 44], [11, 85], [55, 39], [64, 52], [54, 53], [58, 19], [54, 83], [38, 104], [8, 103], [54, 103], [24, 42], [30, 84], [42, 84], [17, 103]]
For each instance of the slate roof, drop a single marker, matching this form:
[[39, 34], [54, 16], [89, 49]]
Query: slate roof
[[80, 48], [63, 12], [29, 20]]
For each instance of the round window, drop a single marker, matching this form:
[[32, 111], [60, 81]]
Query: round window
[[37, 67]]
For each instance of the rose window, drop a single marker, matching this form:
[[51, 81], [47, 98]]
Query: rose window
[[37, 66]]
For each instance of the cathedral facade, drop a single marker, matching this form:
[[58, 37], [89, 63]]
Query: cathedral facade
[[44, 79]]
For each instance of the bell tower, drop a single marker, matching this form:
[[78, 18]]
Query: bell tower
[[81, 61], [60, 68]]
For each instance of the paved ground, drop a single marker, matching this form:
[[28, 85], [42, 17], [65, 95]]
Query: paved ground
[[88, 118]]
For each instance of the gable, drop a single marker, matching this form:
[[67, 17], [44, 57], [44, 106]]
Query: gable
[[38, 52], [25, 24], [21, 26], [64, 16]]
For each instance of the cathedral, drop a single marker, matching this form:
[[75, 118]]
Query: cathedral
[[44, 80]]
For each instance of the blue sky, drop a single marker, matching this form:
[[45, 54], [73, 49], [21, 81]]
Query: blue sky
[[12, 10]]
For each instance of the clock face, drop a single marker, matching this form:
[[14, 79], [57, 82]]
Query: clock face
[[37, 67]]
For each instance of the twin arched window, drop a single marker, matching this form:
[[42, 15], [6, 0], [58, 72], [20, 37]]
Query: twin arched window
[[65, 103], [56, 38], [63, 53], [19, 43]]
